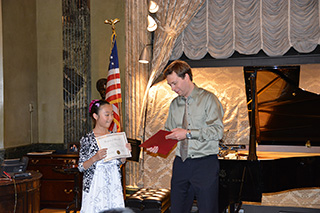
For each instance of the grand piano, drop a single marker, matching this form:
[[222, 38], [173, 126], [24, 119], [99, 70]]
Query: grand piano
[[281, 114]]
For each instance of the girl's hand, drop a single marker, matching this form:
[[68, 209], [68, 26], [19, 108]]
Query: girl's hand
[[102, 153], [128, 146]]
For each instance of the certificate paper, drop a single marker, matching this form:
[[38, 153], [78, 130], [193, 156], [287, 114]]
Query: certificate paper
[[115, 144]]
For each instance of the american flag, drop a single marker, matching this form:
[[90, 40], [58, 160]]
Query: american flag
[[113, 90]]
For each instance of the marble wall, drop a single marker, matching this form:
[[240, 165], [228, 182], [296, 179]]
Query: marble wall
[[76, 68]]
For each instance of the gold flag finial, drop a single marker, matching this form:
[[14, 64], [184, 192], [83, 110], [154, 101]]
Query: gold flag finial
[[112, 22]]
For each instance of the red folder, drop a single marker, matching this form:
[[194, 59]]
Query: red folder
[[158, 139]]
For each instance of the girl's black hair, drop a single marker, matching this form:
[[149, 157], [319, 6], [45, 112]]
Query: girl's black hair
[[95, 106]]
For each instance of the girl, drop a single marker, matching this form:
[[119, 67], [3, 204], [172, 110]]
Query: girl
[[102, 189]]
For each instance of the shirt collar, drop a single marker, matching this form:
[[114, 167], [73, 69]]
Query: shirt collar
[[194, 92], [192, 96]]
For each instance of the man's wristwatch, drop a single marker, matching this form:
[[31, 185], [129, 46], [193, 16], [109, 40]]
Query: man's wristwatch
[[188, 135]]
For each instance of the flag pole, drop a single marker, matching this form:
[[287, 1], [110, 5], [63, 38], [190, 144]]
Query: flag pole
[[113, 22]]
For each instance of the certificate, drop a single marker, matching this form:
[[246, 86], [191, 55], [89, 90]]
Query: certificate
[[115, 144]]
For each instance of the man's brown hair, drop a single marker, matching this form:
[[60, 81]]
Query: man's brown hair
[[180, 68]]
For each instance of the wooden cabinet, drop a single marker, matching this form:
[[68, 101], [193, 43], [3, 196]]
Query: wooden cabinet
[[57, 188], [21, 195]]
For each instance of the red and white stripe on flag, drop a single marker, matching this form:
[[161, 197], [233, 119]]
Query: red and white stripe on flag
[[113, 90]]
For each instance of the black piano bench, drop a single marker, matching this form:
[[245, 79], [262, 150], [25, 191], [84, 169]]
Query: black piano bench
[[149, 201]]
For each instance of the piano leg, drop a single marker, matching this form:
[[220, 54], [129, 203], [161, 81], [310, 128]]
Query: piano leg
[[239, 181], [234, 207]]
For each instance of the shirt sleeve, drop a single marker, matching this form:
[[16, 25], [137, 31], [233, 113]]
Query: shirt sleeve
[[170, 122], [213, 128], [83, 153]]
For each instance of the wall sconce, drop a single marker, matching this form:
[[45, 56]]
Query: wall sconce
[[153, 7], [152, 25], [145, 54]]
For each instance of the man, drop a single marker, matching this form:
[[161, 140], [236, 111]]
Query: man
[[198, 136]]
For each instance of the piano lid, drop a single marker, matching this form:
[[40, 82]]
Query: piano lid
[[285, 114]]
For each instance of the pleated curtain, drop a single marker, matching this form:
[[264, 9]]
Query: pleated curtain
[[172, 18], [222, 27]]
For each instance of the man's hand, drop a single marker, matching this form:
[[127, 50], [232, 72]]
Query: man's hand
[[153, 149], [177, 134]]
